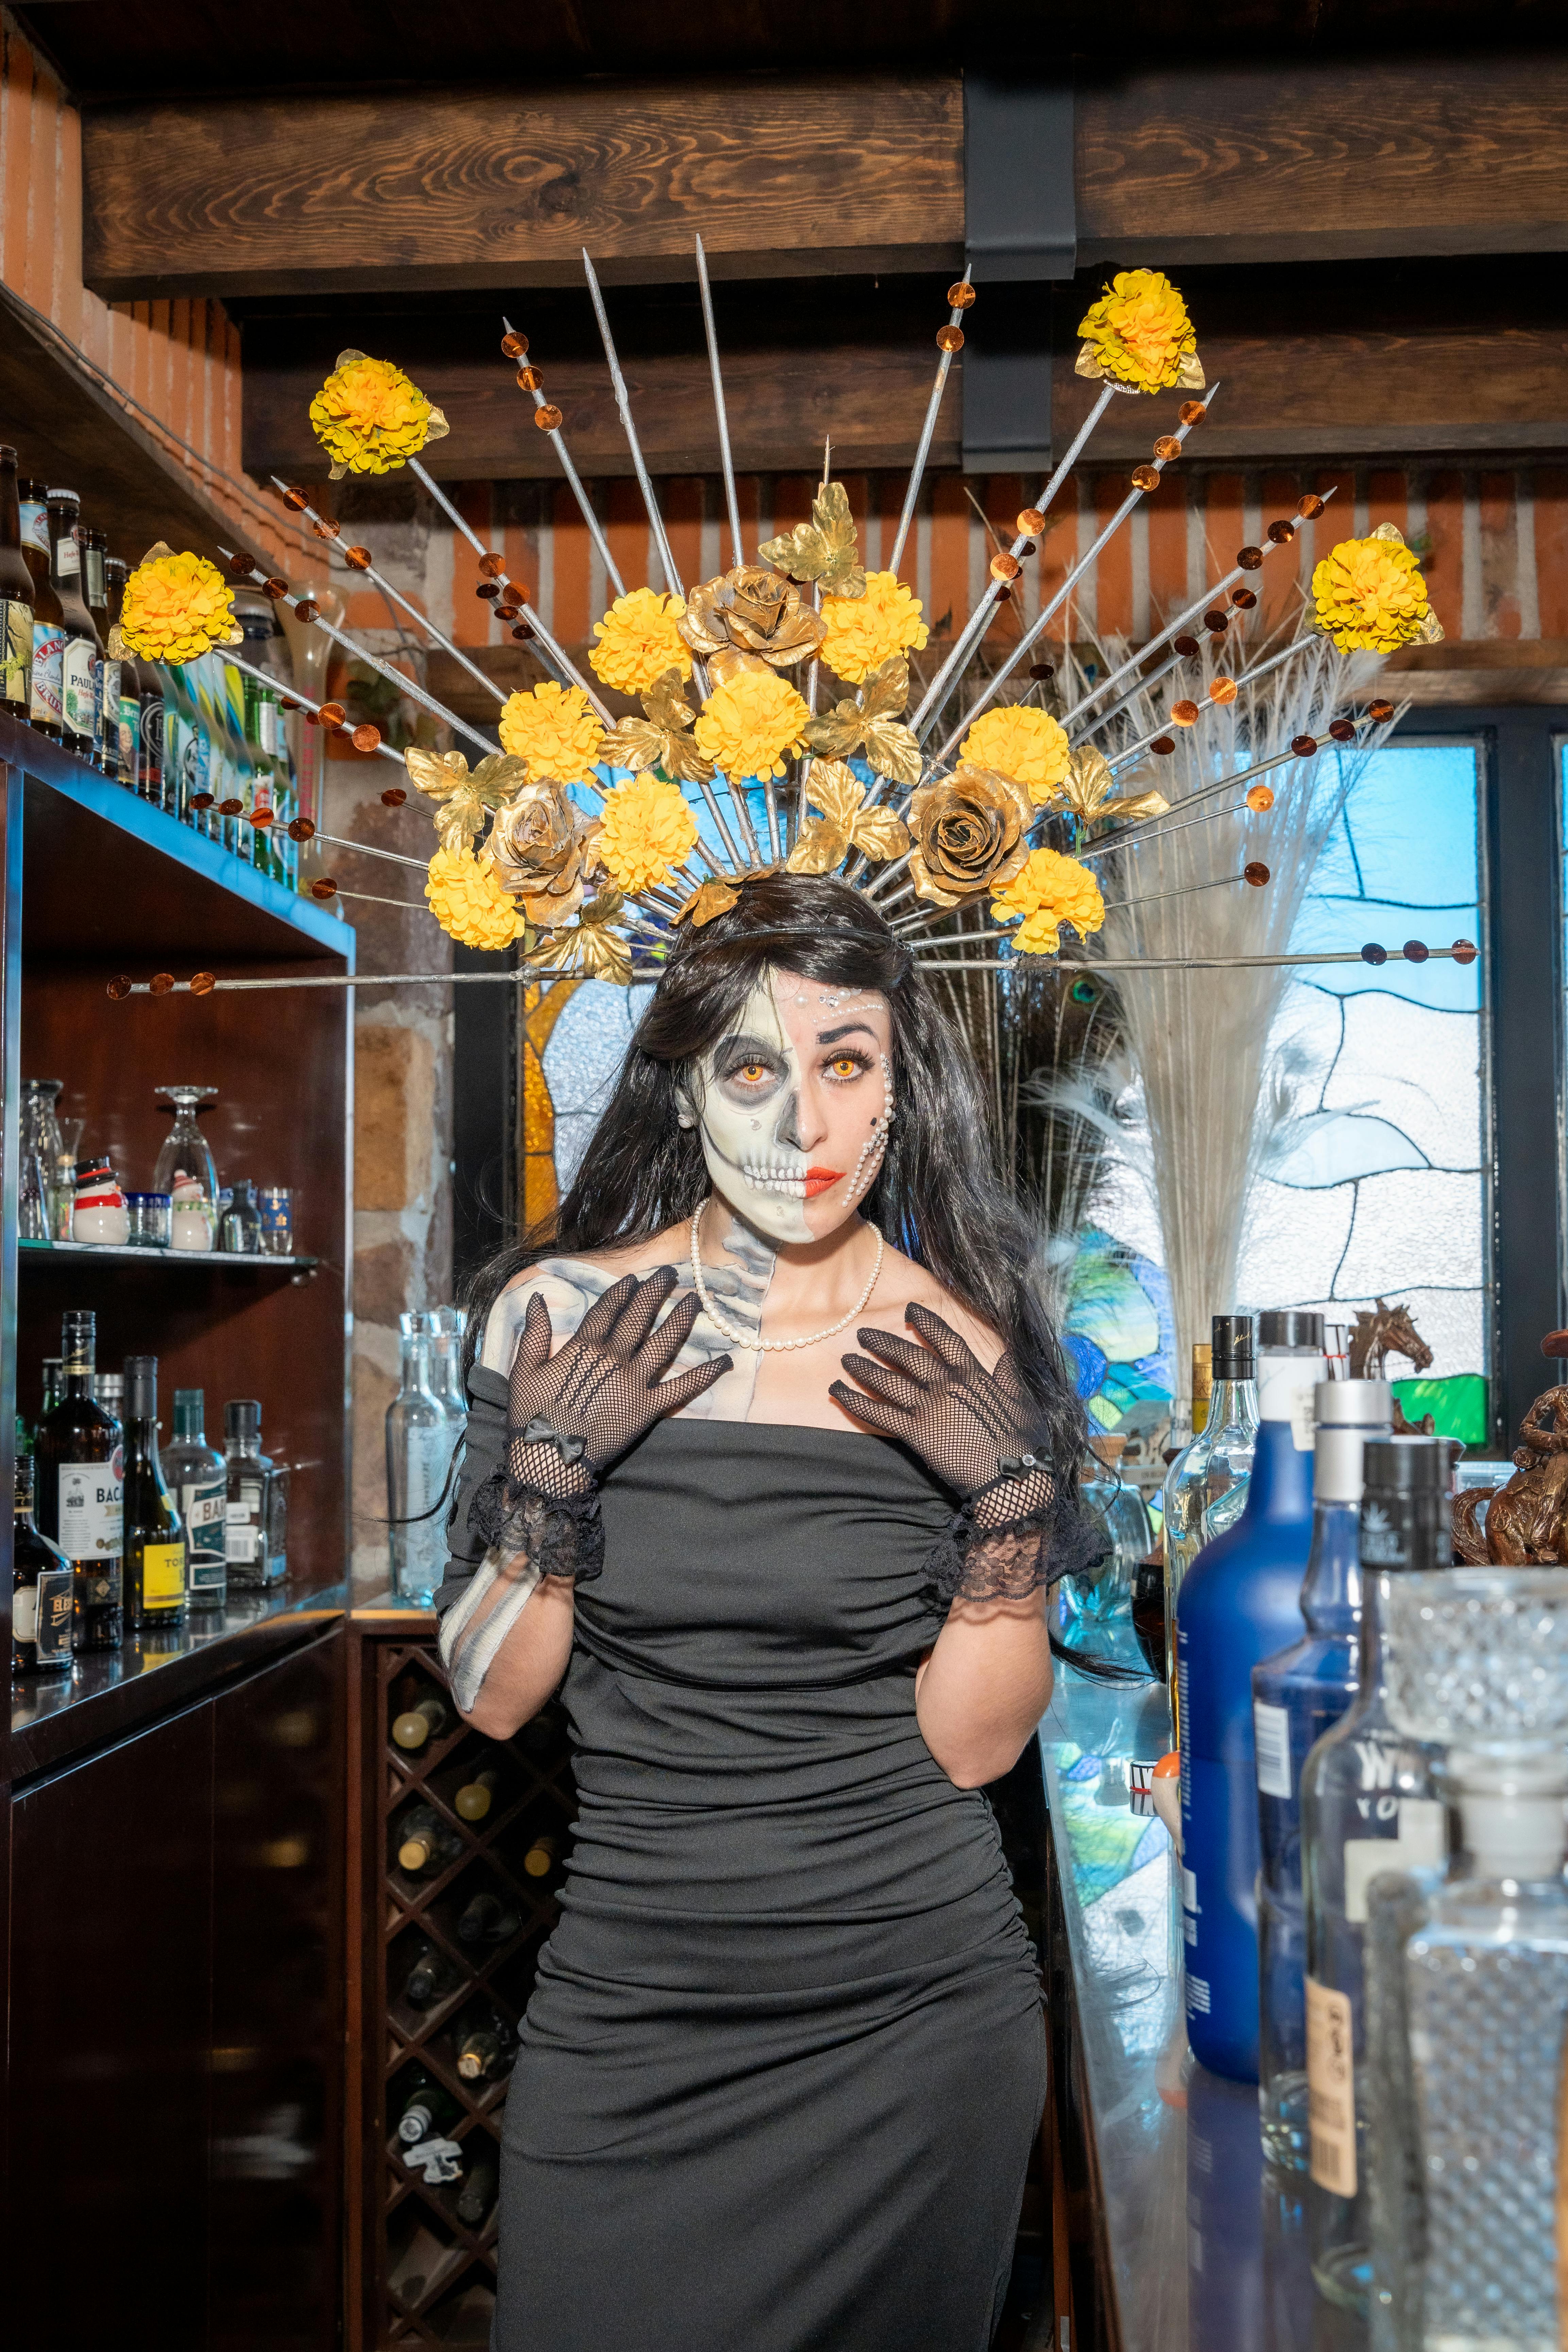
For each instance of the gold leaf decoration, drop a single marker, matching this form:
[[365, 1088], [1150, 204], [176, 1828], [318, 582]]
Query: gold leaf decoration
[[592, 947], [824, 549], [714, 897], [463, 801], [871, 727], [663, 738], [845, 823]]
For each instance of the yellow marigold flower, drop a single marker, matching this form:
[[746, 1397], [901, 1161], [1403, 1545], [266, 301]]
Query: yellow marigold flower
[[555, 728], [746, 727], [1369, 595], [649, 829], [1049, 890], [469, 902], [1139, 331], [1026, 744], [176, 606], [369, 417], [863, 632], [639, 641]]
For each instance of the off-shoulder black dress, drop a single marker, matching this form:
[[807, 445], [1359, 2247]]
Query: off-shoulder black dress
[[785, 2057]]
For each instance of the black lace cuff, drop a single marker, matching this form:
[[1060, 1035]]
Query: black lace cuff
[[969, 1561], [558, 1534]]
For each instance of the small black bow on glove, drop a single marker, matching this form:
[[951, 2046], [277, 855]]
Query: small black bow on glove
[[976, 1430]]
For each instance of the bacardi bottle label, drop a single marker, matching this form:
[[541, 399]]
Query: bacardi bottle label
[[92, 1511], [16, 653], [41, 1614], [80, 700], [47, 702], [1330, 2089]]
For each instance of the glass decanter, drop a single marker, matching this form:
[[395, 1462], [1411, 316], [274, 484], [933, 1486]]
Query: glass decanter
[[1468, 1973], [422, 1437], [184, 1148]]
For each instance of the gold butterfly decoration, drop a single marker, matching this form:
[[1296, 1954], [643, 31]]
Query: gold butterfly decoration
[[464, 800], [1089, 784], [824, 549], [845, 823], [871, 727]]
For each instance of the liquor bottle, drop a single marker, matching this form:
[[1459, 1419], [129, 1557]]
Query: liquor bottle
[[478, 2193], [1297, 1694], [155, 1538], [487, 1919], [198, 1478], [128, 708], [41, 1590], [45, 706], [1369, 1803], [425, 1843], [430, 1978], [1239, 1601], [17, 597], [486, 2052], [420, 1445], [106, 676], [1202, 1384], [82, 651], [1232, 1415], [78, 1497], [255, 1512], [475, 1797], [427, 2108], [1468, 1973], [427, 1719]]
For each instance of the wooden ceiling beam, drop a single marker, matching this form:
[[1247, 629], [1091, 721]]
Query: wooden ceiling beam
[[808, 175]]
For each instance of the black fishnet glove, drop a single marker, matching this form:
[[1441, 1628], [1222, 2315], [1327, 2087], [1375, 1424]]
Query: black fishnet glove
[[977, 1430], [570, 1413]]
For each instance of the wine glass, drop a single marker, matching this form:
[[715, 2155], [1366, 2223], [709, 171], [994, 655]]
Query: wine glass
[[184, 1152]]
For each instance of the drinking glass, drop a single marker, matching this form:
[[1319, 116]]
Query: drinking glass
[[65, 1175], [184, 1151]]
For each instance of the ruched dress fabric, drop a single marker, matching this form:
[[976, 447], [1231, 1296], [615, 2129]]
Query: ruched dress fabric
[[784, 2056]]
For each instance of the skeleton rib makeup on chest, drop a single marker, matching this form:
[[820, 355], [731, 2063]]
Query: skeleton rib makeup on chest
[[794, 1105]]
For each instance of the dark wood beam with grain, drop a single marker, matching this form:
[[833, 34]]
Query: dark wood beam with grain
[[788, 176]]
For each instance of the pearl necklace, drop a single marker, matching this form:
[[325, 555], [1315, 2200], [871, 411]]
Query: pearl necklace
[[772, 1347]]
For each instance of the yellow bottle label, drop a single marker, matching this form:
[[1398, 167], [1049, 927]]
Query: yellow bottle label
[[163, 1575], [1330, 2089]]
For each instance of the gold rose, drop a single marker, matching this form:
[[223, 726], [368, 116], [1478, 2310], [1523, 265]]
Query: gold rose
[[1088, 786], [845, 823], [971, 828], [463, 800], [750, 618], [871, 726], [824, 549], [661, 739], [547, 874]]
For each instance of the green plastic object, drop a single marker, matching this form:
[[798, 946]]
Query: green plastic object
[[1458, 1405]]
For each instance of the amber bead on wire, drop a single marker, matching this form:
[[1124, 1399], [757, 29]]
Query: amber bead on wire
[[960, 295], [1282, 532], [301, 829], [231, 808], [1029, 522], [1184, 713], [203, 800], [514, 344], [1463, 951], [1042, 669], [522, 633], [161, 984], [548, 418], [276, 588], [1006, 567], [528, 378], [950, 339], [1342, 730], [491, 564], [1145, 477], [366, 738], [202, 983], [1259, 798], [1243, 599], [1257, 873], [357, 558], [393, 796], [1185, 645], [1303, 746], [240, 567], [1217, 622], [262, 816], [1224, 690], [325, 888], [1191, 411], [1416, 950], [294, 498], [1380, 711], [332, 714], [1311, 507], [1249, 559], [119, 986], [1167, 446], [1163, 744], [324, 527], [307, 609], [488, 589]]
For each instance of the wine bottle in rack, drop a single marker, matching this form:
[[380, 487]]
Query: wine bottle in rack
[[427, 2108], [416, 1726], [540, 1859], [485, 2052], [478, 2193], [430, 1978], [475, 1797], [489, 1918], [425, 1843]]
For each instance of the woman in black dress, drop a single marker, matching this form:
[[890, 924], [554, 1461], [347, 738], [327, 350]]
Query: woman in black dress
[[785, 2057]]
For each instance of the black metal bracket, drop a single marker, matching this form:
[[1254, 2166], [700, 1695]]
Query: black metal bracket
[[1020, 233]]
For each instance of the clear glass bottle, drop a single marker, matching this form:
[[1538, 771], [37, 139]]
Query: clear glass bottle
[[106, 674], [1231, 1417], [256, 1511], [1467, 1974], [240, 1229], [1369, 1802], [45, 706], [420, 1443], [197, 1474], [1297, 1694], [81, 660]]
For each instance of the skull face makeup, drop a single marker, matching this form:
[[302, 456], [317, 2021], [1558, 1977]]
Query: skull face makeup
[[795, 1105]]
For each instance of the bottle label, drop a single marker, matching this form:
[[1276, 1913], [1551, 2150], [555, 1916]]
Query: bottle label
[[163, 1575], [242, 1525], [41, 1613], [150, 734], [1421, 1837], [92, 565], [92, 1508], [48, 647], [80, 703], [16, 651], [36, 525], [1271, 1742], [108, 685], [1330, 2089], [129, 713], [204, 1510], [67, 558], [1285, 1387]]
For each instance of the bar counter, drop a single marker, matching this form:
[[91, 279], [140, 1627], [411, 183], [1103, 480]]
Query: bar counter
[[1183, 2240]]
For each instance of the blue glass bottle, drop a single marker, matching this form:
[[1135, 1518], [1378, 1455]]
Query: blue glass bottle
[[1240, 1603], [1296, 1697]]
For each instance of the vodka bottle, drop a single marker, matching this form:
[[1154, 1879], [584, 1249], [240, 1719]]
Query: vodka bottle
[[1369, 1802], [1296, 1695], [1231, 1414], [1467, 1971], [420, 1443]]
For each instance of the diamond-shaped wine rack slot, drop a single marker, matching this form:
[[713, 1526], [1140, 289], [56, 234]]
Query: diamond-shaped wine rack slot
[[463, 1918]]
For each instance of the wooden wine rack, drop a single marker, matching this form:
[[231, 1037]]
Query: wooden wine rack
[[426, 2276]]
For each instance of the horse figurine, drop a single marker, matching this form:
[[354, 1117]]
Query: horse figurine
[[1527, 1520], [1380, 1332]]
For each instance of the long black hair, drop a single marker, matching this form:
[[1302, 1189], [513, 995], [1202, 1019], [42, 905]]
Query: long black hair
[[937, 1195]]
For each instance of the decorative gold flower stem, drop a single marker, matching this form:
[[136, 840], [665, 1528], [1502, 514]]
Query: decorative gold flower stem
[[623, 404], [585, 504], [922, 450], [719, 408]]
